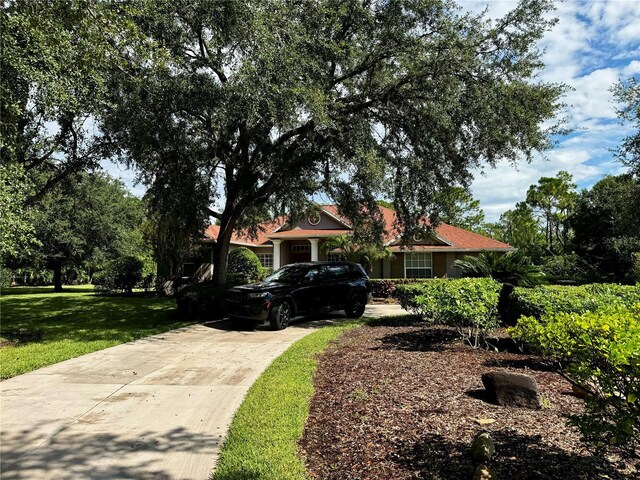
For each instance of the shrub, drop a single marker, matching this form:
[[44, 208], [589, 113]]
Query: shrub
[[600, 353], [205, 299], [469, 305], [119, 276], [6, 276], [244, 266], [546, 300], [386, 288]]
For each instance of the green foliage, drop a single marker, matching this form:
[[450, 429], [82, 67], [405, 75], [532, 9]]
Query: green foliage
[[203, 300], [568, 268], [600, 352], [521, 229], [86, 221], [387, 287], [554, 199], [6, 276], [552, 299], [468, 304], [244, 265], [238, 90], [627, 95], [17, 232], [607, 227], [461, 210], [119, 276], [512, 267]]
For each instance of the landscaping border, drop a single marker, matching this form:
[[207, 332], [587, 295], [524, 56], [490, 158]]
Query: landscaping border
[[263, 438]]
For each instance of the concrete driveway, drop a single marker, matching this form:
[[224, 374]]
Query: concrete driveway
[[156, 408]]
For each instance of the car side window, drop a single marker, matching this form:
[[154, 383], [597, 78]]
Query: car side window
[[311, 275], [334, 272]]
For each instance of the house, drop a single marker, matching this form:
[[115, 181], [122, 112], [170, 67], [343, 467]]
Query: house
[[279, 243]]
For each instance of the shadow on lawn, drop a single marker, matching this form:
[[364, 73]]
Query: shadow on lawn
[[521, 457], [102, 454], [85, 317]]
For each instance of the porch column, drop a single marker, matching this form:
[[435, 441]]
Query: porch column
[[276, 253], [211, 264], [314, 249]]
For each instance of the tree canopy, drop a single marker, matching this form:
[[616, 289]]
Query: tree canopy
[[627, 94], [607, 227], [247, 106], [87, 220]]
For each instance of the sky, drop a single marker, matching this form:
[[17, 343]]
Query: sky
[[593, 45]]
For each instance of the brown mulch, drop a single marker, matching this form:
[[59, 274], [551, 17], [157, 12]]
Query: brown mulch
[[399, 400]]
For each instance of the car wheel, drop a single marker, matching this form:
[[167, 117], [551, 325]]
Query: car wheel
[[355, 307], [280, 316]]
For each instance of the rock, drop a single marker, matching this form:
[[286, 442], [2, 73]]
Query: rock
[[484, 473], [512, 389], [482, 448], [484, 421]]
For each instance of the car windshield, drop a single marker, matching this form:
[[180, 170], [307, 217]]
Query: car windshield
[[288, 274]]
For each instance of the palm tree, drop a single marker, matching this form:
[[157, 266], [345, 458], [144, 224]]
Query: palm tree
[[513, 267], [365, 255]]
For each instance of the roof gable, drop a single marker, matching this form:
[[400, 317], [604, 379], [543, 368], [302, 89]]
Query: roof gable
[[332, 223]]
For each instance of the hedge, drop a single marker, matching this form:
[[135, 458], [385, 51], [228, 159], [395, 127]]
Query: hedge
[[551, 299], [468, 304], [599, 352], [387, 287]]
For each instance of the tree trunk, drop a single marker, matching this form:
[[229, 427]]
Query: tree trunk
[[57, 276], [220, 252]]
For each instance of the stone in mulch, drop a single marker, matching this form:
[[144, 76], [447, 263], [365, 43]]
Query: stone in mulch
[[512, 389]]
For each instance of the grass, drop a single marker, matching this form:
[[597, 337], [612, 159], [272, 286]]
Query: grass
[[262, 439], [39, 327]]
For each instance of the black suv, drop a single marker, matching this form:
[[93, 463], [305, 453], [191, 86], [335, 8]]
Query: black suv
[[302, 289]]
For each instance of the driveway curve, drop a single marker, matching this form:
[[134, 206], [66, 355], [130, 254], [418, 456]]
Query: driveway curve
[[159, 407]]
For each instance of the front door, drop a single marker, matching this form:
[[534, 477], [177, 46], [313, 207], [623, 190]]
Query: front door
[[300, 253]]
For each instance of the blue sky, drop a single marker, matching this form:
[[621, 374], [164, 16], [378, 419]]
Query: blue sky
[[593, 45]]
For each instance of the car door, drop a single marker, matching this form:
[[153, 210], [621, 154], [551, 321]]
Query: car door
[[335, 286], [307, 294]]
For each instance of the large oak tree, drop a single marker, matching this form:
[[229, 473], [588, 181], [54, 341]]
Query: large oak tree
[[257, 105]]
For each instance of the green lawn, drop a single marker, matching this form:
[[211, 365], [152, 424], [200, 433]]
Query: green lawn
[[39, 327], [262, 440]]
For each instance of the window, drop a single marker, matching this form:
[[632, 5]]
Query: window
[[266, 259], [335, 257], [301, 248], [417, 265]]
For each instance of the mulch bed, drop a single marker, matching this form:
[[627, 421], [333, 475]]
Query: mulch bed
[[399, 400]]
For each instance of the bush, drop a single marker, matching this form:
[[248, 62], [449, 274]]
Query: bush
[[599, 352], [546, 300], [244, 266], [468, 304], [386, 288], [119, 276], [6, 276], [205, 299]]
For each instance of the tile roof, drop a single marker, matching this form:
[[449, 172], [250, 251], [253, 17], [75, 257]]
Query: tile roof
[[457, 238]]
